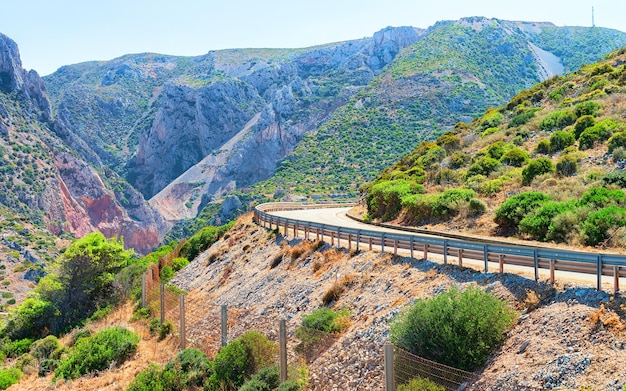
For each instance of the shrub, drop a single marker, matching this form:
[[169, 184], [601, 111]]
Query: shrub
[[484, 166], [165, 329], [418, 207], [516, 157], [289, 385], [8, 377], [476, 207], [447, 203], [155, 379], [254, 385], [491, 119], [261, 351], [557, 120], [112, 345], [582, 123], [535, 168], [600, 225], [420, 384], [384, 199], [191, 366], [587, 108], [448, 141], [202, 240], [29, 319], [447, 176], [514, 209], [560, 140], [326, 320], [497, 149], [543, 147], [537, 223], [459, 159], [522, 118], [491, 187], [454, 328], [179, 263], [600, 197], [615, 177], [267, 378], [230, 365], [597, 133], [567, 166], [141, 313], [12, 349], [616, 140], [166, 274], [44, 348], [47, 365], [566, 226]]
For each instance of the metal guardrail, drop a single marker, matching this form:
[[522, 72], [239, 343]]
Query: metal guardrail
[[598, 264]]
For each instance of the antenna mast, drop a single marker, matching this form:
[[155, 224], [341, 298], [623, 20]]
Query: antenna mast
[[593, 20]]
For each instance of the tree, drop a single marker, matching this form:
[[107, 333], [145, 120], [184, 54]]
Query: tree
[[81, 279]]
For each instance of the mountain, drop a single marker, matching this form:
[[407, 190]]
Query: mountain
[[546, 166], [186, 131], [44, 181]]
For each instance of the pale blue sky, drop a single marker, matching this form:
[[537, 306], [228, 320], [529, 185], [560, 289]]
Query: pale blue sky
[[52, 33]]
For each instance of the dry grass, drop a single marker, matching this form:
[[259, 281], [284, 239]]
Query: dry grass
[[607, 318], [338, 288]]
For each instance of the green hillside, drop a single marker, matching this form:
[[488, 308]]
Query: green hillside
[[455, 72], [546, 166]]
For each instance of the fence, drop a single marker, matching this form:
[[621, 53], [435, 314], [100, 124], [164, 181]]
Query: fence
[[598, 264]]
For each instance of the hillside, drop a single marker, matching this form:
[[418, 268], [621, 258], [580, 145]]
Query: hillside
[[567, 337], [546, 166]]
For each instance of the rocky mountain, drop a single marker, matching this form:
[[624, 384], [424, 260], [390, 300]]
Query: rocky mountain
[[43, 179]]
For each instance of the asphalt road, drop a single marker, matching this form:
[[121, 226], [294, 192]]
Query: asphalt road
[[337, 217]]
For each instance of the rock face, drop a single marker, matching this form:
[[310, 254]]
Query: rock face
[[46, 183]]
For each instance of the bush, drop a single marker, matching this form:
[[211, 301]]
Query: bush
[[289, 385], [29, 320], [112, 345], [535, 168], [476, 207], [459, 159], [384, 199], [516, 157], [191, 366], [566, 226], [484, 166], [557, 120], [267, 378], [47, 365], [45, 348], [254, 385], [521, 119], [179, 263], [447, 203], [202, 240], [230, 365], [447, 176], [600, 225], [261, 351], [616, 177], [567, 166], [326, 320], [539, 221], [166, 274], [582, 123], [560, 140], [597, 133], [587, 108], [12, 349], [543, 147], [514, 209], [454, 328], [616, 140], [8, 377], [600, 197], [420, 384], [155, 379], [141, 313], [497, 149]]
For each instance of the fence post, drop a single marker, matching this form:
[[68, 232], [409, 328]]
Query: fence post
[[183, 338], [389, 375], [282, 346], [224, 324], [162, 302], [536, 264], [599, 282], [143, 291]]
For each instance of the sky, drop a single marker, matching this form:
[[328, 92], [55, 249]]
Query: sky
[[53, 33]]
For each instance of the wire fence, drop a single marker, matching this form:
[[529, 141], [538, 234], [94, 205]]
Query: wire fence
[[407, 366]]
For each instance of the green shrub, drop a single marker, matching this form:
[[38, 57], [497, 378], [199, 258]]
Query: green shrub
[[418, 207], [597, 133], [535, 168], [491, 187], [46, 348], [166, 274], [29, 319], [165, 329], [587, 108], [537, 223], [600, 197], [13, 349], [619, 154], [254, 385], [521, 119], [326, 320], [261, 351], [191, 367], [600, 225], [8, 377], [476, 207], [141, 313], [543, 147], [267, 378], [557, 120], [560, 140], [484, 166], [179, 263], [491, 119], [447, 203], [448, 141], [516, 157], [289, 385], [498, 149], [230, 365], [47, 365], [566, 226], [582, 123], [101, 313], [203, 240], [155, 379], [456, 328], [420, 384], [616, 140], [447, 176], [96, 353], [459, 159], [567, 166], [384, 199], [515, 208], [615, 177]]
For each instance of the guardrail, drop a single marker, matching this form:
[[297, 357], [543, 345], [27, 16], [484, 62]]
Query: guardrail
[[598, 264]]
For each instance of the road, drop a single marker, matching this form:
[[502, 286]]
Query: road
[[338, 217]]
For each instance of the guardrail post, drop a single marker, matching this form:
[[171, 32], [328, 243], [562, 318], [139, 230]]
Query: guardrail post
[[358, 239], [486, 258], [460, 257], [338, 237], [616, 279], [552, 268], [411, 247], [536, 264], [307, 230], [389, 375], [445, 251], [501, 263], [425, 251], [317, 234], [370, 242], [286, 228], [332, 238], [349, 241], [322, 232], [599, 277], [295, 229], [382, 242], [395, 247]]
